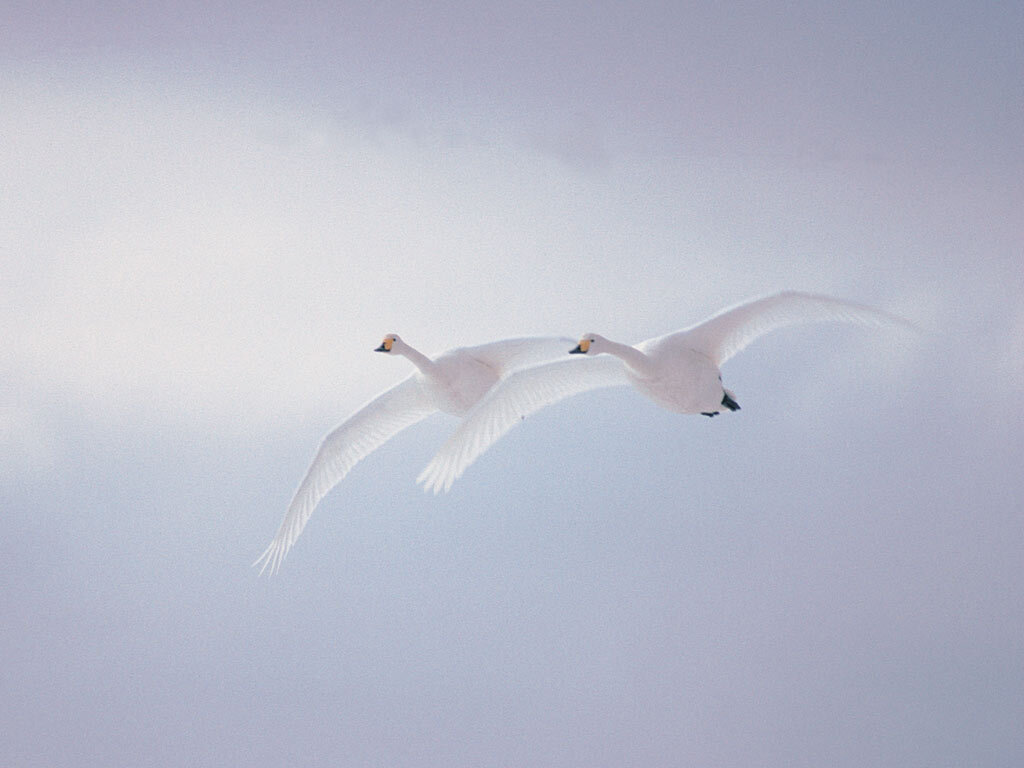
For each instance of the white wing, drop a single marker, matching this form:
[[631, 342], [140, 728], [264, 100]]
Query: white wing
[[351, 441], [511, 400], [731, 330], [512, 354]]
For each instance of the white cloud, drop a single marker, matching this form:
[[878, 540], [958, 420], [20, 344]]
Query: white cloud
[[195, 256], [29, 442]]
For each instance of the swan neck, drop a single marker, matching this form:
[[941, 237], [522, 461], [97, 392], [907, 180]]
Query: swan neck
[[631, 356], [421, 361]]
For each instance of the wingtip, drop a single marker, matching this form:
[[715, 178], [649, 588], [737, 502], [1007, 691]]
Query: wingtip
[[424, 478], [271, 559], [434, 480]]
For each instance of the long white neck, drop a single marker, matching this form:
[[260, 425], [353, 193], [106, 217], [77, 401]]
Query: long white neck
[[634, 359], [421, 361]]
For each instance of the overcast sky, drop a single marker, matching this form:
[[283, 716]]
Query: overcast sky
[[211, 213]]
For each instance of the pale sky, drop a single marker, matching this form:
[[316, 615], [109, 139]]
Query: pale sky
[[211, 213]]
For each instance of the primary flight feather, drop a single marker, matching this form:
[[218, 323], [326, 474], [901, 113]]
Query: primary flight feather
[[680, 371], [452, 382]]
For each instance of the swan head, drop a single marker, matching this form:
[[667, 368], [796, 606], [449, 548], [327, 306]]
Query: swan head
[[590, 344], [389, 343]]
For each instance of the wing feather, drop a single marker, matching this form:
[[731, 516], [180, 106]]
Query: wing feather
[[731, 330], [350, 442], [520, 394], [509, 355]]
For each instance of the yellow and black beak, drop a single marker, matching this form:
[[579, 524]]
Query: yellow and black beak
[[385, 346], [581, 348]]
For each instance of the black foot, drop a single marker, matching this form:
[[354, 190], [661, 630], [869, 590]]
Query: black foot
[[704, 413], [729, 403]]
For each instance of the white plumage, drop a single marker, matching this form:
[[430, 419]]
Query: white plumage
[[452, 383], [680, 371]]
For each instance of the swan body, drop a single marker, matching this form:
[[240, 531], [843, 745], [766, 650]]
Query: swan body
[[680, 371], [453, 382], [671, 374], [456, 381]]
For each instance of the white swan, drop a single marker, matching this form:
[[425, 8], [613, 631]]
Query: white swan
[[679, 371], [452, 382]]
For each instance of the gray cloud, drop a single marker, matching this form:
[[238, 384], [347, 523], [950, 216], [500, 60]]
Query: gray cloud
[[206, 226]]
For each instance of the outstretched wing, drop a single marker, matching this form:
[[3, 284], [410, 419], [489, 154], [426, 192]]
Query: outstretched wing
[[351, 441], [511, 400], [510, 355], [731, 330]]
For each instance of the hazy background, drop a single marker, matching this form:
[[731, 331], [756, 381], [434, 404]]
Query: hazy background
[[211, 213]]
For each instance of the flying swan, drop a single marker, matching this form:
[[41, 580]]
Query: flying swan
[[679, 371], [452, 382]]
